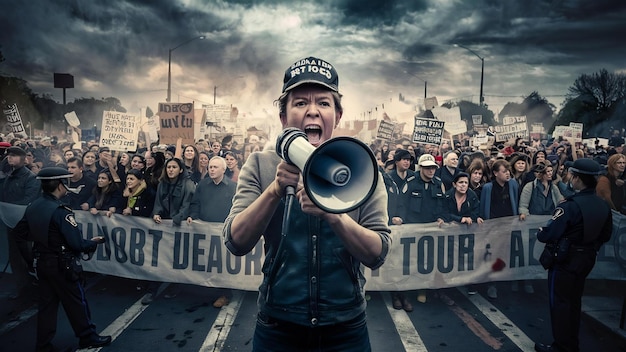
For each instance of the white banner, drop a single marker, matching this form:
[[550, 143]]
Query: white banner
[[421, 255]]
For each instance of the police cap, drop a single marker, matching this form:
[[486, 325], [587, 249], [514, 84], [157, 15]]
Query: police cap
[[586, 166], [53, 173], [16, 151]]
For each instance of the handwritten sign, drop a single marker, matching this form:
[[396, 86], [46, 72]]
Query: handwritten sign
[[176, 121], [428, 131], [14, 120], [119, 131], [511, 128], [385, 130], [577, 132]]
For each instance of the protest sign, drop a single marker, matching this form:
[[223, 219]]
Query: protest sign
[[577, 132], [452, 117], [385, 130], [428, 131], [72, 119], [176, 121], [119, 131], [512, 127], [14, 120]]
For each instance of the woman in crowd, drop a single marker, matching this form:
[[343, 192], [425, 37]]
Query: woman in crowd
[[478, 177], [172, 201], [611, 186], [106, 196], [124, 162], [139, 201], [232, 166], [192, 163], [154, 168], [89, 165], [139, 197], [462, 205], [203, 160], [520, 165], [384, 152], [174, 193], [138, 162], [539, 156], [539, 197]]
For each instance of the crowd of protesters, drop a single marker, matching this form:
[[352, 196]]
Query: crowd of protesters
[[459, 183], [454, 182], [158, 182]]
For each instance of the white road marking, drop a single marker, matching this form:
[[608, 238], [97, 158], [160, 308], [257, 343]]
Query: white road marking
[[411, 340], [223, 322], [120, 324], [512, 331], [21, 318]]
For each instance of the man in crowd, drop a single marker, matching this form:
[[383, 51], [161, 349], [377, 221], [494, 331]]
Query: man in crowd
[[449, 170], [405, 180], [499, 198], [20, 186], [79, 187], [212, 201]]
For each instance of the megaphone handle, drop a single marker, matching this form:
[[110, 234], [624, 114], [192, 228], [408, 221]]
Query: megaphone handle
[[290, 191]]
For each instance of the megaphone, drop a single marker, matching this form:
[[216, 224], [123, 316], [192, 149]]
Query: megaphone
[[339, 175]]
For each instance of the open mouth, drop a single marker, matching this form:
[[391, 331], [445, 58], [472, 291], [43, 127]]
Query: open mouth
[[313, 133]]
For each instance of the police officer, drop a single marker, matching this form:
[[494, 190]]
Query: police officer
[[57, 249], [579, 226]]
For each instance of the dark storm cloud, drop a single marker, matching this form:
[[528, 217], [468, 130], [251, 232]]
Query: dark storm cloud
[[377, 12], [120, 47]]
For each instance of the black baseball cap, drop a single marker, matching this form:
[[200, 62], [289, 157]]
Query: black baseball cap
[[311, 70]]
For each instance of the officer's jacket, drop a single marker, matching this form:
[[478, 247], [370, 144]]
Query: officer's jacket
[[310, 278], [52, 227], [584, 218], [419, 204]]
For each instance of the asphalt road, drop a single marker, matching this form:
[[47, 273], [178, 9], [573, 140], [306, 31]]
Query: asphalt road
[[189, 322]]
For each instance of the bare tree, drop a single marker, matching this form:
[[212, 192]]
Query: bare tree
[[600, 90]]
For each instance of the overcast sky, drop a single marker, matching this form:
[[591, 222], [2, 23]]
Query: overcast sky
[[380, 48]]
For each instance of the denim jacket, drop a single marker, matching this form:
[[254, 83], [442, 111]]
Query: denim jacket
[[310, 279]]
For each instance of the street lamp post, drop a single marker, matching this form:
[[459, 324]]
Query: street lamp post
[[482, 70], [169, 66], [425, 82]]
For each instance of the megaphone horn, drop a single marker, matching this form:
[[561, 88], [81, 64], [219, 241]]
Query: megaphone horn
[[339, 175]]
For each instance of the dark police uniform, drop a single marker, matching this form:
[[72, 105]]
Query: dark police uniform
[[58, 246], [585, 222]]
